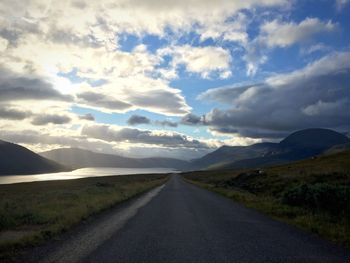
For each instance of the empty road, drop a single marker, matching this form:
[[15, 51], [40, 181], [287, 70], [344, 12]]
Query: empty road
[[183, 223]]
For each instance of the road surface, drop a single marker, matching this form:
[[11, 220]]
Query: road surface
[[183, 223]]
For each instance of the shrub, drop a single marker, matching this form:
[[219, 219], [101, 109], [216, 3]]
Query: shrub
[[322, 197]]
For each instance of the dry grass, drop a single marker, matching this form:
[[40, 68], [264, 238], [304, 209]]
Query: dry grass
[[31, 213], [265, 192]]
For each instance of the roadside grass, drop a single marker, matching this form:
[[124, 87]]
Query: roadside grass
[[31, 213], [313, 194]]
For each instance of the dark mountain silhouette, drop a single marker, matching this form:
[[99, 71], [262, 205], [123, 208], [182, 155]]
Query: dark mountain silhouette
[[228, 154], [316, 139], [299, 145], [15, 159], [79, 158]]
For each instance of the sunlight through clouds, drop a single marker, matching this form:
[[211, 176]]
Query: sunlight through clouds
[[201, 72]]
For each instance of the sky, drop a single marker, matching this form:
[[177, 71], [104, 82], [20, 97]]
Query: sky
[[174, 78]]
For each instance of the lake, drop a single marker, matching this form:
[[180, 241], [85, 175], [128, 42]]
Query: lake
[[82, 173]]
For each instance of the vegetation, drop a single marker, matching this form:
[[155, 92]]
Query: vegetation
[[31, 213], [312, 194]]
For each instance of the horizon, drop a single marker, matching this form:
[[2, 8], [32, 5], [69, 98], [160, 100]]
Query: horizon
[[189, 160], [176, 79], [184, 159]]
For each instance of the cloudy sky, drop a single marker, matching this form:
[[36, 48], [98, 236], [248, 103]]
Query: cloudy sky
[[171, 78]]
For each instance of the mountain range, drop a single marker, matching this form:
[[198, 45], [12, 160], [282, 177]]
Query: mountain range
[[15, 159], [79, 158], [297, 146]]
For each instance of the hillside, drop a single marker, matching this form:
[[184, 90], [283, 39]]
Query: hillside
[[15, 159], [312, 194], [79, 158], [297, 146]]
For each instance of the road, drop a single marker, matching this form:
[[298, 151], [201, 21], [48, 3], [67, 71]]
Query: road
[[183, 223]]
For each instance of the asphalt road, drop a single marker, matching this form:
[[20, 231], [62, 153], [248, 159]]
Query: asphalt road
[[184, 223]]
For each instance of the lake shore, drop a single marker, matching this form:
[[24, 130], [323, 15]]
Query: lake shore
[[82, 173]]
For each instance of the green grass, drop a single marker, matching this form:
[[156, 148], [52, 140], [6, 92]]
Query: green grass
[[304, 193], [31, 213]]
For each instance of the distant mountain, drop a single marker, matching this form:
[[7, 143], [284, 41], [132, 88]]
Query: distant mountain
[[228, 154], [297, 146], [315, 139], [15, 159], [79, 158]]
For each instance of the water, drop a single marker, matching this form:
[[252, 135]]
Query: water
[[81, 173]]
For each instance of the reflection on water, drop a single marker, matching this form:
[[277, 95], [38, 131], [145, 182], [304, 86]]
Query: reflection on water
[[80, 173]]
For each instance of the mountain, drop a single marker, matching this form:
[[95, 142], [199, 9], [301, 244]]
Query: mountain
[[15, 159], [228, 154], [79, 158], [315, 139], [297, 146]]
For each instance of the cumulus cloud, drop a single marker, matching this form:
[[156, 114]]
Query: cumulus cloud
[[14, 87], [44, 140], [44, 119], [78, 41], [87, 117], [315, 96], [160, 138], [167, 123], [201, 60], [150, 16], [82, 37], [277, 33], [281, 34], [138, 119], [234, 30], [13, 114], [192, 119], [165, 101], [101, 101]]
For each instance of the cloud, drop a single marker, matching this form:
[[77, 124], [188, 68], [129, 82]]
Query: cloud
[[160, 138], [234, 30], [44, 140], [255, 55], [144, 16], [101, 101], [200, 60], [87, 117], [161, 100], [315, 96], [44, 119], [137, 119], [13, 114], [3, 44], [315, 48], [41, 140], [14, 87], [192, 119], [41, 40], [281, 34], [79, 41], [167, 123], [341, 4]]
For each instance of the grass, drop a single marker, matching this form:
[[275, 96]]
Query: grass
[[31, 213], [303, 193]]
